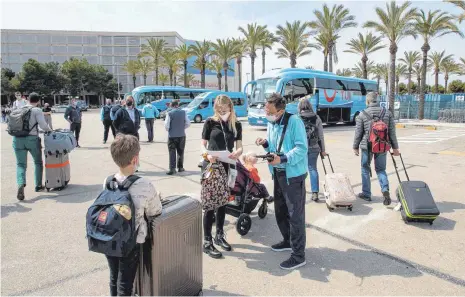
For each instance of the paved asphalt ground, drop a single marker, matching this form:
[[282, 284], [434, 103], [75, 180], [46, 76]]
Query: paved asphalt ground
[[369, 251]]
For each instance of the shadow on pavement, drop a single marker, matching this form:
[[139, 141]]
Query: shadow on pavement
[[71, 194], [441, 223], [359, 208], [448, 207], [163, 173], [16, 207], [93, 148], [209, 292]]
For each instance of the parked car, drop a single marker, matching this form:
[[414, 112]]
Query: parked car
[[59, 108], [181, 105]]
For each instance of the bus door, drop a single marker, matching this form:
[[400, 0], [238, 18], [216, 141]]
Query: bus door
[[248, 89]]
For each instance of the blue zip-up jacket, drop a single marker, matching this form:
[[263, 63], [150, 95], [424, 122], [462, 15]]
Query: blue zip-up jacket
[[102, 111], [294, 148], [150, 112]]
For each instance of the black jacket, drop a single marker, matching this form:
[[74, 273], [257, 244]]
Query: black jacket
[[123, 123]]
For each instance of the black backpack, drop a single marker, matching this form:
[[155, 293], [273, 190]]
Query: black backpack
[[111, 220], [312, 130], [106, 113]]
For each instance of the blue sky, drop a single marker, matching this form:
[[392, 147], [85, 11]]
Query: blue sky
[[214, 19]]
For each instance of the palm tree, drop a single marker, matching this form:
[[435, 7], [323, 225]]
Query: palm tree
[[132, 67], [176, 68], [449, 67], [153, 49], [162, 78], [184, 53], [462, 66], [395, 23], [170, 61], [216, 66], [225, 51], [332, 22], [410, 58], [461, 4], [418, 70], [384, 71], [266, 43], [201, 50], [293, 38], [253, 35], [436, 59], [344, 72], [358, 70], [430, 26], [240, 49], [378, 73], [145, 66], [401, 70], [364, 46], [190, 77], [322, 43]]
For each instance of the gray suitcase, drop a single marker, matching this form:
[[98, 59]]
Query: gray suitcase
[[57, 171], [171, 258]]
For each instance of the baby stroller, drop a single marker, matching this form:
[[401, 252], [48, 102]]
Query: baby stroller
[[247, 195]]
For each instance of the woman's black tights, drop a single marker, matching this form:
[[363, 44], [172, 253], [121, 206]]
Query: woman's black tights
[[208, 218]]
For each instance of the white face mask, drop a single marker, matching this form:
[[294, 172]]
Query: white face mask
[[271, 118], [18, 97], [225, 116]]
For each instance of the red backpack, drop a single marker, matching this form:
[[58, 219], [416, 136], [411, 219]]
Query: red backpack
[[379, 133]]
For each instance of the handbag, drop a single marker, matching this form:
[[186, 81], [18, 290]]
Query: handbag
[[215, 191], [232, 173]]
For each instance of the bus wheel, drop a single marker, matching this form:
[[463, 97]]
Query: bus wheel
[[198, 118]]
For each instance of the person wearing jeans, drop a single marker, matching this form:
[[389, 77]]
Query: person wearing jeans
[[176, 123], [362, 134], [73, 115], [106, 120], [31, 144], [316, 142]]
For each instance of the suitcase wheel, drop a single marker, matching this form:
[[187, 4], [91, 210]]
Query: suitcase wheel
[[329, 208], [48, 189], [200, 293], [263, 210], [349, 208], [244, 222]]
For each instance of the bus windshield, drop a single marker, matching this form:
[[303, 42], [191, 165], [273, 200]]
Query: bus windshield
[[197, 100], [262, 89]]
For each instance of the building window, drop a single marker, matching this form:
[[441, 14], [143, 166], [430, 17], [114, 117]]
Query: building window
[[43, 39], [91, 50], [134, 41], [45, 58], [41, 49], [59, 39], [13, 48], [92, 59], [5, 59], [25, 58], [134, 50], [28, 49], [59, 59], [75, 49], [90, 40], [121, 51], [106, 40], [121, 60], [119, 40], [59, 49], [75, 39], [15, 67], [107, 60], [15, 59], [107, 50], [14, 38], [27, 38]]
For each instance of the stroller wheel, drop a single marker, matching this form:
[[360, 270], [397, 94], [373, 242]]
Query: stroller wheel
[[244, 222], [263, 210]]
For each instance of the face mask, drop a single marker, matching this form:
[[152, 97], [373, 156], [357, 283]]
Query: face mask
[[129, 103], [225, 117], [18, 97], [271, 118]]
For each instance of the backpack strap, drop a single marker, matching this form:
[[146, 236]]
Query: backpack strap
[[367, 115], [382, 114], [286, 118], [109, 182], [127, 183]]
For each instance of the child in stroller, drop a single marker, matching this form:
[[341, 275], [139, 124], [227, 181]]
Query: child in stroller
[[247, 191]]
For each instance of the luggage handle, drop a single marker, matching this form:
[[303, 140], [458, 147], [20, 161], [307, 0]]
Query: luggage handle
[[324, 167], [395, 166]]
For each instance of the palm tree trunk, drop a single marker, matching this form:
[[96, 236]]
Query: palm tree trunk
[[392, 76], [397, 86], [418, 85], [252, 64], [263, 60], [446, 78], [378, 79], [156, 69], [421, 108], [436, 80], [293, 59], [226, 79], [145, 79], [239, 69], [171, 77], [219, 81], [134, 81], [330, 59], [387, 86], [175, 79], [185, 74], [325, 62], [409, 81], [364, 66], [202, 75]]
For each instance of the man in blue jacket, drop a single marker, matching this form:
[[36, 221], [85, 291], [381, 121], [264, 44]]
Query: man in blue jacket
[[287, 143], [107, 121], [149, 112]]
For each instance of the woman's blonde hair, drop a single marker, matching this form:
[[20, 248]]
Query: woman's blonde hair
[[225, 100]]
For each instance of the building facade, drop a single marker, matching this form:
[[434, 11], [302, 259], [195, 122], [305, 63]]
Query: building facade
[[109, 49]]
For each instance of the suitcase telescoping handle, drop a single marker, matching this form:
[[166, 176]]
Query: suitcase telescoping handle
[[395, 166], [323, 162]]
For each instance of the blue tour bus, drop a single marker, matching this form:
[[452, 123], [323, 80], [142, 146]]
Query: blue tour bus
[[335, 98], [202, 106], [161, 97]]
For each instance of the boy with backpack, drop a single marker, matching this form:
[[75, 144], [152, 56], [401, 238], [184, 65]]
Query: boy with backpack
[[115, 223], [23, 125], [375, 134]]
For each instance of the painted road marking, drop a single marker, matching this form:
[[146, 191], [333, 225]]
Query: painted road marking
[[432, 137], [452, 153]]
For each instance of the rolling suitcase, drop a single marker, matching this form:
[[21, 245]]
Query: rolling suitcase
[[171, 258], [417, 202], [338, 189], [57, 171]]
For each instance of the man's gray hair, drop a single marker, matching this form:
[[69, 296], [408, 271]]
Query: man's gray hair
[[372, 97], [108, 100], [304, 104]]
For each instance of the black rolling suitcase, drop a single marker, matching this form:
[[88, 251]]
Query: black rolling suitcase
[[417, 202]]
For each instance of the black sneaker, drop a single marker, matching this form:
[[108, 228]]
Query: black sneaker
[[364, 197], [281, 247], [210, 249], [291, 264], [315, 196], [104, 142], [387, 198], [20, 194], [181, 169], [39, 188], [171, 172]]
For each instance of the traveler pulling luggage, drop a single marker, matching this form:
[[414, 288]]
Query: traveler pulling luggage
[[171, 262], [338, 189], [417, 202]]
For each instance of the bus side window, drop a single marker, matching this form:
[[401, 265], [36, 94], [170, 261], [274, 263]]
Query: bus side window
[[297, 89], [142, 99], [203, 105]]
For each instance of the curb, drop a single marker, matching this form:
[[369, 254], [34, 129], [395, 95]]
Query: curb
[[426, 127]]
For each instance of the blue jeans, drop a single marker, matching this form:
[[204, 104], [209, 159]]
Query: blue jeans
[[380, 168], [312, 169]]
